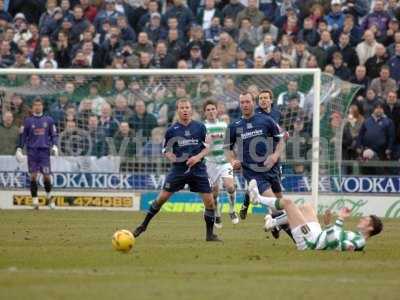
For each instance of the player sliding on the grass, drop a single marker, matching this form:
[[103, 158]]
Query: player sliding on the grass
[[39, 135], [218, 168], [185, 146], [307, 231], [255, 145]]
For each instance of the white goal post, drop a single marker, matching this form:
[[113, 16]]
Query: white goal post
[[316, 86]]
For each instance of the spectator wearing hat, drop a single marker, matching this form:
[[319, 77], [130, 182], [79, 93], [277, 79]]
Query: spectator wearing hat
[[109, 12], [206, 14], [377, 134], [89, 10], [375, 63], [367, 48], [266, 27], [182, 13], [335, 18], [252, 13], [197, 38], [360, 78], [225, 50], [213, 32], [394, 64], [379, 19], [154, 29], [79, 24], [232, 9], [349, 55], [196, 60], [162, 59], [389, 36], [383, 84]]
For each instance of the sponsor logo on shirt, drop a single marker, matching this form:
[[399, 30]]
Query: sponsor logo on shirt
[[251, 134]]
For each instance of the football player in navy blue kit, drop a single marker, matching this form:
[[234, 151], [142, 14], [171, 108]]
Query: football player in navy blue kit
[[266, 107], [255, 145], [185, 146]]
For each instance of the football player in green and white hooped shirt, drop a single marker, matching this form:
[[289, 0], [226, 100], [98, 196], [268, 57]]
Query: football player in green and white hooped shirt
[[307, 231], [218, 168]]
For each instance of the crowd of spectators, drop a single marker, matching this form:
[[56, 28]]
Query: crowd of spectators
[[355, 40]]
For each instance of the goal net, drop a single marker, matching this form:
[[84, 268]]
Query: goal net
[[113, 121]]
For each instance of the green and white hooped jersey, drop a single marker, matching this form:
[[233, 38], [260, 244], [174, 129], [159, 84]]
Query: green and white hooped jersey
[[335, 238], [216, 132]]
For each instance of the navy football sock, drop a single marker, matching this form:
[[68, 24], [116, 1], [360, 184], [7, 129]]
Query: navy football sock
[[153, 210], [209, 218], [47, 186], [34, 188]]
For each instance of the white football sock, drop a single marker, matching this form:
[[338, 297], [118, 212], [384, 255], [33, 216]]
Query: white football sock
[[282, 219], [232, 201]]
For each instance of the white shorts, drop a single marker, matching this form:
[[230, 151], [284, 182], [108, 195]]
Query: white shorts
[[309, 231], [218, 171]]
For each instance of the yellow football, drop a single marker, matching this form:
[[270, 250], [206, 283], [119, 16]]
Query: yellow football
[[123, 240]]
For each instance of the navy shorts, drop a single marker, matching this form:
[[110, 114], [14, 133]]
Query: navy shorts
[[265, 180], [196, 179], [39, 161]]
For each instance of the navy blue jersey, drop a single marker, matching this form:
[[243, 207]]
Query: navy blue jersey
[[185, 141], [38, 132], [274, 113], [255, 139]]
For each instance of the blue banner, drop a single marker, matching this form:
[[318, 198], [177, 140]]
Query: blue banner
[[121, 181]]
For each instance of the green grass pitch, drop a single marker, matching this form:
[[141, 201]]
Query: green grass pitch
[[68, 255]]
